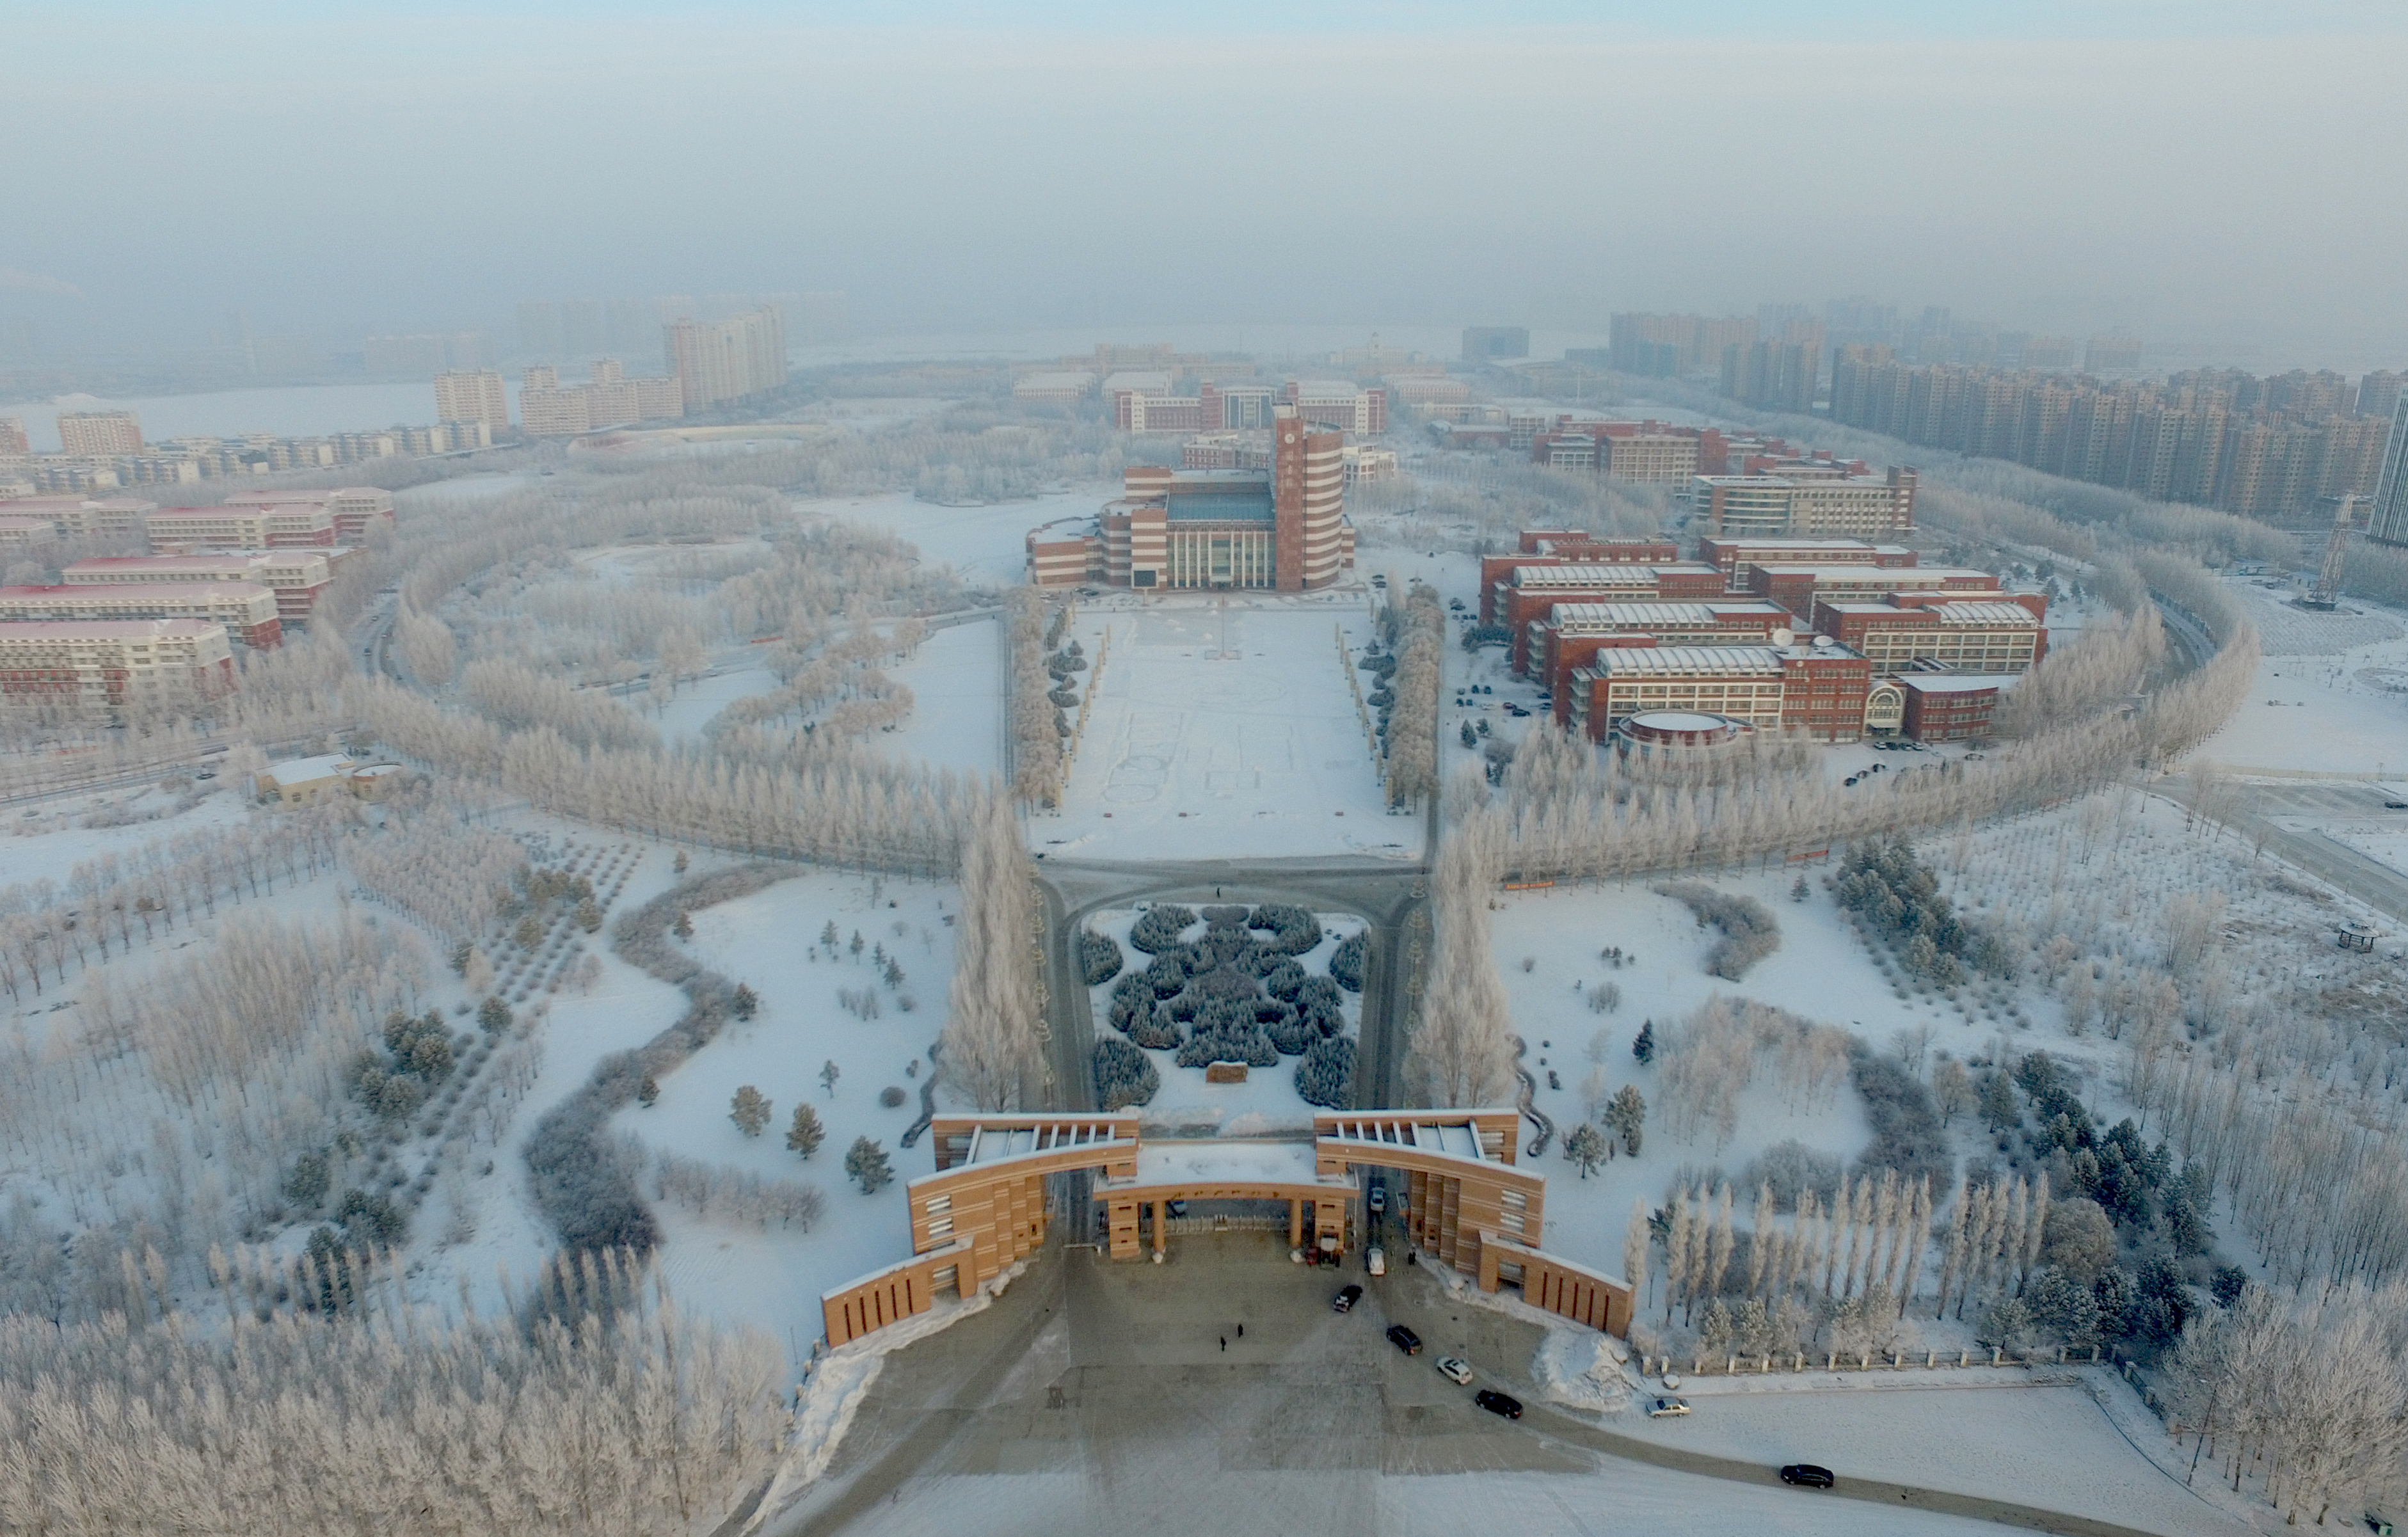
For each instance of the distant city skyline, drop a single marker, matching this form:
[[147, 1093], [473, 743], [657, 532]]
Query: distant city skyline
[[2175, 170]]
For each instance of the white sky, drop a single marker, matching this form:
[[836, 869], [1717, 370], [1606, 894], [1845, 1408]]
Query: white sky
[[2191, 170]]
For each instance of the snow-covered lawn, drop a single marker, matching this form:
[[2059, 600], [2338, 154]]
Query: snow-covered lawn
[[2342, 707], [741, 1271], [2052, 1447], [45, 841], [956, 683], [988, 545], [700, 702], [1821, 971], [1268, 1100], [1223, 731]]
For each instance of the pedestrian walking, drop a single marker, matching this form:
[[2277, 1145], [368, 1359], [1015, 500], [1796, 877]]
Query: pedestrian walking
[[1224, 1344], [1242, 1332]]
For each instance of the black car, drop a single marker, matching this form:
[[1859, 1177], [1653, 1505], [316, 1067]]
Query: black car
[[1346, 1298], [1807, 1476], [1404, 1338], [1498, 1403]]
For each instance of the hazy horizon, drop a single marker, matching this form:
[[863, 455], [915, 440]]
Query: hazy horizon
[[2208, 178]]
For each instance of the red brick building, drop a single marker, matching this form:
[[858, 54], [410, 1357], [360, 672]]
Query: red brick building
[[1527, 591], [1799, 588], [1730, 553], [1942, 706], [1820, 689], [1572, 632], [1964, 636]]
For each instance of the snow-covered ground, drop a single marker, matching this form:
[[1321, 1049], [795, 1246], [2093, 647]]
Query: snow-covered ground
[[45, 841], [1223, 730], [988, 545], [956, 683], [2330, 696], [1615, 1497], [772, 1275], [1821, 971], [700, 702], [2050, 1446], [1268, 1100]]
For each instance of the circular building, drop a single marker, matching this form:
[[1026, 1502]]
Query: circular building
[[1670, 738]]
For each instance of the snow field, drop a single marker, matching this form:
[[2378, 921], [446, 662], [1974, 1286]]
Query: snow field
[[956, 682], [487, 1199], [986, 545], [1611, 1496], [739, 1270], [46, 840], [2331, 693], [700, 702], [1267, 1100], [1223, 730], [2049, 1446], [1821, 971]]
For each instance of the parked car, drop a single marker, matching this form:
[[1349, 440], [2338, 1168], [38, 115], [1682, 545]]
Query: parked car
[[1375, 1260], [1807, 1476], [1668, 1409], [1456, 1370], [1498, 1403], [1347, 1297], [1404, 1338], [1379, 1200], [2396, 805]]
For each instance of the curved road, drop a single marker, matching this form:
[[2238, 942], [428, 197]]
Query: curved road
[[955, 1403]]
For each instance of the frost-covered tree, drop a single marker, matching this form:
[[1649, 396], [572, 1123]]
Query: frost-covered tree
[[993, 1053], [748, 1110], [1461, 1050], [1586, 1147], [805, 1134], [866, 1163]]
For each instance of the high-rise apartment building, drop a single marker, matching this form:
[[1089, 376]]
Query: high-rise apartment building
[[1485, 344], [1773, 375], [610, 398], [99, 434], [12, 435], [720, 362], [2389, 521], [2378, 394], [2264, 448], [473, 395], [1662, 346]]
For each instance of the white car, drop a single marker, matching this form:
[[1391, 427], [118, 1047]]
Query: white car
[[1456, 1370], [1668, 1409]]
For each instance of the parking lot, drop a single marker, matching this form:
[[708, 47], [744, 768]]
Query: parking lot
[[1126, 1393], [1097, 1397]]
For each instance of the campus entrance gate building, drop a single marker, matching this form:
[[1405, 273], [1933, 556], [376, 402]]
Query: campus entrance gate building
[[1463, 1201]]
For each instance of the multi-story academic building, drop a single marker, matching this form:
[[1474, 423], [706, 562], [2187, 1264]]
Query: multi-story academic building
[[247, 609], [296, 577], [1283, 528], [1805, 505], [1820, 688], [1995, 636], [97, 667]]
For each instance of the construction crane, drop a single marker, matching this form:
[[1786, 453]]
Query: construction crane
[[2326, 595]]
